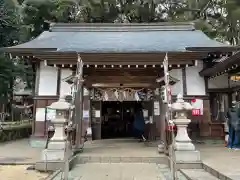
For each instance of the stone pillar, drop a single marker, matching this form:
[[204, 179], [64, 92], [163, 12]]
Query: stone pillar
[[53, 157], [183, 148]]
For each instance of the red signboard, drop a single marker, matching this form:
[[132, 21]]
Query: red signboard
[[196, 112], [197, 105]]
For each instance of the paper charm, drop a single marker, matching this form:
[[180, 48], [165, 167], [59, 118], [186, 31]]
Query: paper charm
[[124, 94], [105, 96], [137, 97], [116, 94]]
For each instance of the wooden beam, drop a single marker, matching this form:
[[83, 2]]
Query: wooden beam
[[123, 72], [120, 79]]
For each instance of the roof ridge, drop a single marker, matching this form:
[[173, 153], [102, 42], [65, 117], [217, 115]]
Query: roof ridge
[[63, 27]]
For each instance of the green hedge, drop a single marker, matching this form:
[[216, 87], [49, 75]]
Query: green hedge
[[15, 132]]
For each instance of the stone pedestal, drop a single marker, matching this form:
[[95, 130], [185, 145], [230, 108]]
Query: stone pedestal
[[53, 157], [183, 149]]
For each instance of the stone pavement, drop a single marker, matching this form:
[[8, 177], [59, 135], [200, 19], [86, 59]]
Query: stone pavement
[[18, 152], [221, 159], [20, 172]]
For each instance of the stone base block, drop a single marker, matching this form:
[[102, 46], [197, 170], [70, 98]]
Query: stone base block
[[189, 165], [49, 166], [60, 144], [38, 142], [187, 156], [161, 148], [52, 155]]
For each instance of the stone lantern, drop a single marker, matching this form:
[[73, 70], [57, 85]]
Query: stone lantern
[[53, 156], [183, 147]]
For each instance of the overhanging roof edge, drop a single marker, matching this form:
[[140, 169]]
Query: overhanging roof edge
[[221, 66]]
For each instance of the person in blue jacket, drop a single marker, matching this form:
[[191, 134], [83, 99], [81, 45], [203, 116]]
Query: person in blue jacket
[[233, 116], [139, 123]]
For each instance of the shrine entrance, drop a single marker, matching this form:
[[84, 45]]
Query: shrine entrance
[[113, 110], [117, 119]]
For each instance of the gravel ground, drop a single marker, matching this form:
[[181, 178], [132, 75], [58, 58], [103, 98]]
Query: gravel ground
[[20, 172]]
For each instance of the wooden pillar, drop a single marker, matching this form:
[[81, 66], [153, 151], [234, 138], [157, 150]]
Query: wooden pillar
[[159, 112], [205, 120], [156, 113], [162, 118], [86, 112], [79, 105], [96, 119], [79, 114]]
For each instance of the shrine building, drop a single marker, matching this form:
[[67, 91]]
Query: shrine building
[[122, 65]]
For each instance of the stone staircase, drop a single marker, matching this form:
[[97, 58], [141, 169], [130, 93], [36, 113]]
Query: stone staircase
[[135, 168], [120, 168], [128, 160]]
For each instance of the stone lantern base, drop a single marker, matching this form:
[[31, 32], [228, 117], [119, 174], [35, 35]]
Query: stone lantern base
[[187, 156], [51, 166], [184, 150], [185, 159], [52, 158]]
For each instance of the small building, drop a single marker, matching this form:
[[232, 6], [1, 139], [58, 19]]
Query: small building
[[122, 66], [223, 85]]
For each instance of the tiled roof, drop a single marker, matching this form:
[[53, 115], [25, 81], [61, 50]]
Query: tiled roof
[[119, 38]]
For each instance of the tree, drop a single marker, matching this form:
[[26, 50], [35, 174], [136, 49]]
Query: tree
[[11, 33]]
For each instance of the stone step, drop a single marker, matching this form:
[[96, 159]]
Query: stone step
[[184, 165], [120, 171], [81, 159], [197, 174], [216, 173]]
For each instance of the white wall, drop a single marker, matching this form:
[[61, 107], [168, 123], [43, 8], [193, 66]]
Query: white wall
[[47, 80], [218, 82], [65, 88], [178, 87], [47, 86], [194, 82]]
